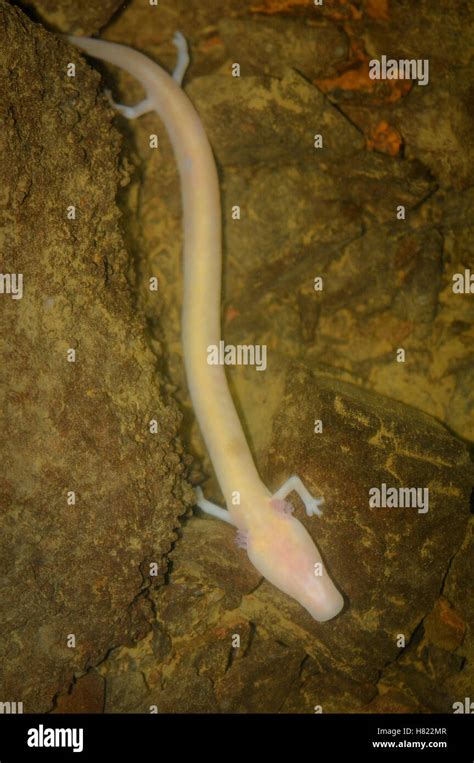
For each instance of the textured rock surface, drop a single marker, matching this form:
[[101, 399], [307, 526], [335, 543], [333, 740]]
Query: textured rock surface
[[304, 213], [390, 564], [82, 18], [435, 121], [78, 426], [387, 284], [266, 106], [282, 43]]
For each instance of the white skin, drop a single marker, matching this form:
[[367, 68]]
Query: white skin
[[276, 542]]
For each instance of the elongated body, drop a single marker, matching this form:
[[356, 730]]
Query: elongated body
[[277, 544]]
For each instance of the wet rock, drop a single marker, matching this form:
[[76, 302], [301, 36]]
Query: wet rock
[[90, 497]]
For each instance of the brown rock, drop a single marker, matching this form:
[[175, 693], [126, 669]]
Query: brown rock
[[414, 26], [392, 701], [392, 569], [445, 627], [270, 46], [83, 18], [284, 113], [435, 121], [87, 695], [72, 568], [458, 590], [389, 563], [436, 126], [387, 283]]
